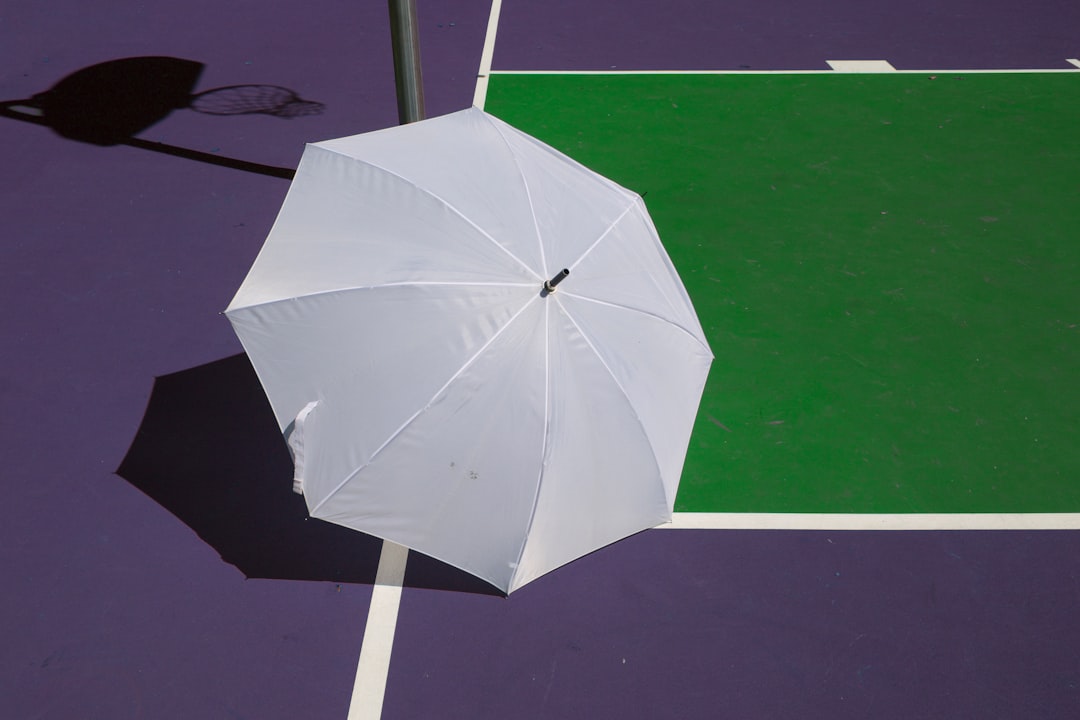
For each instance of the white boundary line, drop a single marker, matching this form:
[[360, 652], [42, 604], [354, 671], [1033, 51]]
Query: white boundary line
[[1073, 61], [861, 66], [372, 668], [482, 75], [1010, 71], [886, 521]]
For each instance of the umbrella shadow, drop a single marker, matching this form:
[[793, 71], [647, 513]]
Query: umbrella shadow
[[111, 102], [209, 451]]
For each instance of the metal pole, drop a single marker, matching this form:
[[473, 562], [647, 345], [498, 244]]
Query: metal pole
[[405, 38]]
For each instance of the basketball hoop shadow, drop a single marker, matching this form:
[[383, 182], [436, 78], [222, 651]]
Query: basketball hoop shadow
[[112, 102]]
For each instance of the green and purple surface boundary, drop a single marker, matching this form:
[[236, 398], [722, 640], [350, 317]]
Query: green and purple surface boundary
[[878, 512]]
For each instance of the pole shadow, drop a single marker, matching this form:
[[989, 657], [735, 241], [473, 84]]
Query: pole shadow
[[111, 102], [209, 451]]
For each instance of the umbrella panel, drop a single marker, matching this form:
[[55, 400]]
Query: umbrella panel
[[460, 411]]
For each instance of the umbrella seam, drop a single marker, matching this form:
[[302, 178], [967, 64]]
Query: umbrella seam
[[561, 156], [359, 288], [528, 193], [639, 203], [445, 203], [704, 345], [543, 445], [603, 235], [626, 395], [671, 267], [468, 363]]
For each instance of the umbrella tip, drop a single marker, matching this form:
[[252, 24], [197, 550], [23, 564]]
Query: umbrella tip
[[549, 286]]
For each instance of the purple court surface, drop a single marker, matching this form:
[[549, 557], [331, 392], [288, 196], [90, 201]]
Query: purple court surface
[[785, 35], [153, 562]]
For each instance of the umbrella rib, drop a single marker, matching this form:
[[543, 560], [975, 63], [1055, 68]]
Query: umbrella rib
[[604, 234], [544, 441], [627, 308], [450, 283], [615, 379], [465, 366], [380, 286], [638, 202], [449, 207], [528, 192]]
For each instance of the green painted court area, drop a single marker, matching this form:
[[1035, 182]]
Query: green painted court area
[[887, 267]]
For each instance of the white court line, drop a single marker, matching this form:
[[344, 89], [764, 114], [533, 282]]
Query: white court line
[[372, 669], [861, 66], [1007, 71], [1073, 61], [885, 521], [480, 95]]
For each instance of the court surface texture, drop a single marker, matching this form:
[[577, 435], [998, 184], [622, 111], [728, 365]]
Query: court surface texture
[[874, 209]]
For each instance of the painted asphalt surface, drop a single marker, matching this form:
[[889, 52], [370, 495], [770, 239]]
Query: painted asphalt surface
[[114, 265]]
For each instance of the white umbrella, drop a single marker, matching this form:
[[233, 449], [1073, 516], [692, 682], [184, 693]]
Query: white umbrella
[[398, 319]]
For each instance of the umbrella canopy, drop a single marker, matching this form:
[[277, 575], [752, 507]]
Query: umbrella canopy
[[402, 319]]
